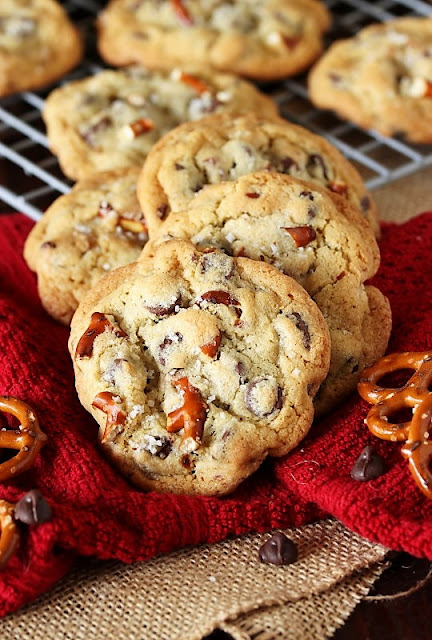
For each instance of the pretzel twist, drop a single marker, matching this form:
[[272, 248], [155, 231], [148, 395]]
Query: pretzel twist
[[9, 534], [388, 401], [415, 394], [27, 439]]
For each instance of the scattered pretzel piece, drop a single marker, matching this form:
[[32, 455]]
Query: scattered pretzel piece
[[418, 449], [27, 439], [388, 401], [9, 534]]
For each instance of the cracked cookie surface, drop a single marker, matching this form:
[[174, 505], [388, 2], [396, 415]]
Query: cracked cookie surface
[[38, 44], [261, 39], [197, 366], [380, 79], [221, 148], [95, 228], [112, 119], [315, 237]]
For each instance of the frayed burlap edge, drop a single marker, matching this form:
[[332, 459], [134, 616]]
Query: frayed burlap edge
[[187, 594]]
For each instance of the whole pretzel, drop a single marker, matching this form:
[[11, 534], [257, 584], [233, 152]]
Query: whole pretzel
[[27, 439], [9, 535], [418, 448], [388, 401]]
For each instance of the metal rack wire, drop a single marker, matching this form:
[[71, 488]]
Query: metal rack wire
[[25, 159]]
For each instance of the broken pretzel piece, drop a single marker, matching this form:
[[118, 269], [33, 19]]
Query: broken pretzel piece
[[27, 439], [9, 534]]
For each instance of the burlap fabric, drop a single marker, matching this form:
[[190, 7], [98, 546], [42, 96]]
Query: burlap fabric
[[188, 594]]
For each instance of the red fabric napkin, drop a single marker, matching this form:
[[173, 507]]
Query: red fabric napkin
[[96, 512]]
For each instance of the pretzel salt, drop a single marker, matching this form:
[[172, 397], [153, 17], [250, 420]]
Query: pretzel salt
[[388, 401], [9, 535], [27, 439]]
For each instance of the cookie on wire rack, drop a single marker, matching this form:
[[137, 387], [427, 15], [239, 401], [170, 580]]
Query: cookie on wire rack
[[95, 228], [380, 79], [38, 44], [263, 39], [112, 119]]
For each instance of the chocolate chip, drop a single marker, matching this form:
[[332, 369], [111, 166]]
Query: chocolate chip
[[365, 204], [303, 327], [278, 550], [161, 310], [220, 263], [48, 245], [307, 194], [316, 166], [162, 211], [335, 78], [178, 166], [33, 508], [89, 134], [369, 465], [287, 163]]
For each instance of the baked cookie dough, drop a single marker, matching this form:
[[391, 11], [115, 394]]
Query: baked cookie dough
[[95, 228], [197, 366], [316, 237], [261, 39], [112, 119], [221, 148], [380, 79], [38, 44]]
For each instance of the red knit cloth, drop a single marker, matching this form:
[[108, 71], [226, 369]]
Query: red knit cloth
[[96, 512]]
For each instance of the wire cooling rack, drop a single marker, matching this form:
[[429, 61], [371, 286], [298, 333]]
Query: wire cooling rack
[[31, 177]]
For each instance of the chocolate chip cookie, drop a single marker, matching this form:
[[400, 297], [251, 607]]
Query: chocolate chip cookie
[[38, 44], [316, 237], [95, 228], [381, 78], [112, 119], [222, 148], [261, 39], [196, 366]]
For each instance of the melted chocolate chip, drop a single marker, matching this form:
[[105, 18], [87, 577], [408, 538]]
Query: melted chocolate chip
[[369, 465], [33, 508], [286, 164], [178, 166], [365, 204], [307, 194], [263, 397], [303, 327], [316, 167], [48, 245], [163, 211], [160, 310], [335, 78], [89, 134], [278, 550]]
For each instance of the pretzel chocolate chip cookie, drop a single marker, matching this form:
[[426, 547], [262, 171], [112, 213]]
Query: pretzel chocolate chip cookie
[[95, 228], [38, 44], [112, 119], [382, 78], [197, 366], [221, 148], [312, 235], [262, 39]]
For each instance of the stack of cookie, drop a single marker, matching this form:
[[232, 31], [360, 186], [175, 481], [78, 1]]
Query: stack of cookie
[[235, 249]]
